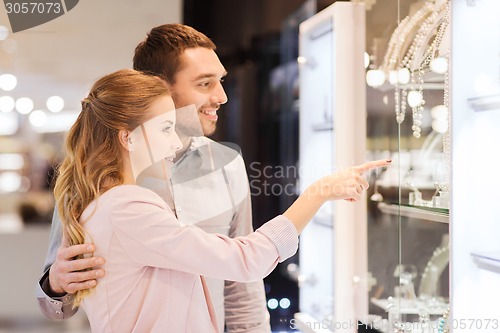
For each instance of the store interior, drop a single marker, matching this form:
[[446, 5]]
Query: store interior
[[314, 86]]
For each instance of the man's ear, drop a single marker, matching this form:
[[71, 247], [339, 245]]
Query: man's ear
[[125, 140], [169, 86]]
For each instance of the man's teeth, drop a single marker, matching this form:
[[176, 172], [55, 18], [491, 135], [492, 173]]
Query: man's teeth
[[210, 113]]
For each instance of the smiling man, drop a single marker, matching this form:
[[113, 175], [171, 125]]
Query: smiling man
[[209, 185]]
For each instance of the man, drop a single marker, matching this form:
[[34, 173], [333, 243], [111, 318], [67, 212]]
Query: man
[[209, 184]]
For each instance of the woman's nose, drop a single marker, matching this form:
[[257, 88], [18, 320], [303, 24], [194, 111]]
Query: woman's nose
[[177, 142]]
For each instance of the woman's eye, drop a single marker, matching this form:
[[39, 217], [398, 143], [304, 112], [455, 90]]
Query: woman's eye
[[166, 129]]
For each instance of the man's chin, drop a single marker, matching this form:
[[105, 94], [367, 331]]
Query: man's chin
[[209, 129]]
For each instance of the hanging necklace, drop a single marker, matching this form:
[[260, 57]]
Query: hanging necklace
[[443, 322], [404, 33], [401, 36], [417, 62]]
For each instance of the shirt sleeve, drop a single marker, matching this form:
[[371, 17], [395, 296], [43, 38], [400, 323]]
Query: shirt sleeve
[[55, 308], [150, 235]]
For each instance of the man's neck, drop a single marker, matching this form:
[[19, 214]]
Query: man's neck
[[186, 143]]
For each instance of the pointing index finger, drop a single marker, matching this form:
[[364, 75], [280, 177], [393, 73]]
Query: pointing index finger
[[372, 165]]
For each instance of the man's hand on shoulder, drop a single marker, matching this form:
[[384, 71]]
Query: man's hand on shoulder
[[68, 275]]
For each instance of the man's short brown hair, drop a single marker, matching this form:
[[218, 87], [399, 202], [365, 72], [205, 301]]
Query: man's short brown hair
[[160, 52]]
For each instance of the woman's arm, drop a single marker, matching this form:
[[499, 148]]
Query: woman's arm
[[347, 184], [150, 235]]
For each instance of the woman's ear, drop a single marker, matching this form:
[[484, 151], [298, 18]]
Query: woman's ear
[[125, 140]]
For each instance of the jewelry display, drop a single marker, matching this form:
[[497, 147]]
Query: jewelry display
[[403, 35], [399, 327], [431, 274], [418, 49], [447, 134], [424, 320], [398, 43], [412, 48], [416, 56], [433, 26], [443, 322]]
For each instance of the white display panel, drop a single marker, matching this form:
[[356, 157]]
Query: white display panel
[[475, 85], [333, 294], [315, 160], [316, 115]]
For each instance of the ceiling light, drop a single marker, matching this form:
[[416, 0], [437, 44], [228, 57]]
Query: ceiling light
[[393, 77], [439, 112], [7, 104], [366, 58], [440, 125], [375, 78], [415, 98], [24, 105], [38, 118], [439, 65], [10, 181], [55, 103], [272, 303], [9, 123], [285, 303], [403, 75], [8, 82]]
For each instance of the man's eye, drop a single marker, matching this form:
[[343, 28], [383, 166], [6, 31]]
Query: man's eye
[[205, 84]]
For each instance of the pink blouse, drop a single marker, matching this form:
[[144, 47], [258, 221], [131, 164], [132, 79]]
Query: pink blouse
[[155, 266]]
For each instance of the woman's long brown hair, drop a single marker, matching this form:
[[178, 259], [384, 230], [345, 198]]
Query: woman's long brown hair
[[93, 162]]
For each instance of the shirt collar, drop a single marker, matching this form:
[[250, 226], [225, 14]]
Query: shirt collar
[[196, 143]]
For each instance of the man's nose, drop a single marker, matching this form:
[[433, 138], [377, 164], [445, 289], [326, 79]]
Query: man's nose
[[219, 96]]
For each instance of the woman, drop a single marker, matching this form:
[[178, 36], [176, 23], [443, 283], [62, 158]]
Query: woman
[[155, 266]]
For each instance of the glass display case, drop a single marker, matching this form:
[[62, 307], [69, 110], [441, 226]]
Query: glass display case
[[428, 258], [409, 118]]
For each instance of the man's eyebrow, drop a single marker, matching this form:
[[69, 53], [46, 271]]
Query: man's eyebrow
[[208, 76]]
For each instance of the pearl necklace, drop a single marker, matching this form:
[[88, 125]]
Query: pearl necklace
[[423, 35], [447, 134], [433, 49], [439, 18], [415, 60], [443, 322], [404, 33]]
